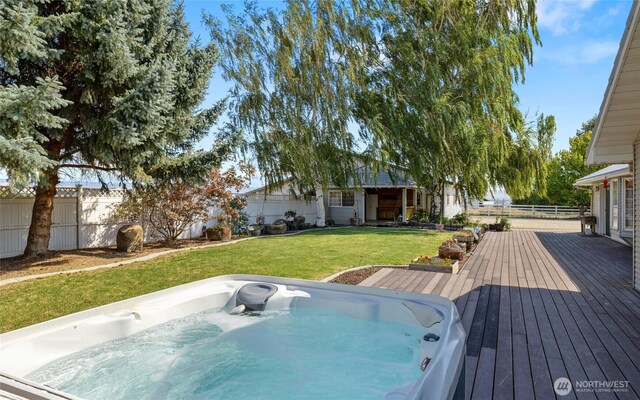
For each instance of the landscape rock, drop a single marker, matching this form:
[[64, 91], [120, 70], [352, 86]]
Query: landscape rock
[[276, 229], [130, 238]]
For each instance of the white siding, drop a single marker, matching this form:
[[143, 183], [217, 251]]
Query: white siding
[[342, 215], [636, 216], [273, 207]]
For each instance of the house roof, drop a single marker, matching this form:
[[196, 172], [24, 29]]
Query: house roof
[[612, 171], [385, 178], [618, 125], [393, 177]]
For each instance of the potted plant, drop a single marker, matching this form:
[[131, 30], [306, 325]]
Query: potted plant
[[254, 230], [260, 222], [435, 264], [505, 224]]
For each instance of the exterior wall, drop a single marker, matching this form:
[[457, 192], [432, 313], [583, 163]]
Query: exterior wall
[[620, 234], [636, 216], [273, 207], [341, 215], [451, 205]]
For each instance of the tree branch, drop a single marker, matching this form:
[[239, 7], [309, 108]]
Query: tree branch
[[88, 166]]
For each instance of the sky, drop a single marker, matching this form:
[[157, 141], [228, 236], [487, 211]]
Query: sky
[[569, 75]]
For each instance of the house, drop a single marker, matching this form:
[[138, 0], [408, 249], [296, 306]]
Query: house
[[384, 196], [611, 201], [616, 137]]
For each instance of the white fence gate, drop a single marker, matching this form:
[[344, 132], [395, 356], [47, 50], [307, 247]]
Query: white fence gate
[[81, 217]]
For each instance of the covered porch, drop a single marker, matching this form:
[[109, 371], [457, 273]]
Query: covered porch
[[389, 204]]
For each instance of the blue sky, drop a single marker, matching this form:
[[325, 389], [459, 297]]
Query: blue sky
[[571, 69]]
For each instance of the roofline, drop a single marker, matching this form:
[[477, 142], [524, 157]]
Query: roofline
[[623, 50], [622, 173]]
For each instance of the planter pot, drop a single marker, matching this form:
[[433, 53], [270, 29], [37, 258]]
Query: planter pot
[[451, 254], [254, 230], [439, 227], [448, 269], [466, 239]]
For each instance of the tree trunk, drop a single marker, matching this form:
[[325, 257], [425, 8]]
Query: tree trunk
[[442, 214], [40, 229], [320, 216]]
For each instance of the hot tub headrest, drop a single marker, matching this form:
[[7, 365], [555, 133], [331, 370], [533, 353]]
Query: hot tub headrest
[[255, 295]]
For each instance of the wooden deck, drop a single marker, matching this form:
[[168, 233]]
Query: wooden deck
[[537, 306]]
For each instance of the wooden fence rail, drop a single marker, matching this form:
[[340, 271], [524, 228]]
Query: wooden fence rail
[[527, 211]]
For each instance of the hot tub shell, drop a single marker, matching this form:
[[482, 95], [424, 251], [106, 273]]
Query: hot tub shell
[[24, 350]]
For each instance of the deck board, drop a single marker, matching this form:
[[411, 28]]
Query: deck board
[[537, 306]]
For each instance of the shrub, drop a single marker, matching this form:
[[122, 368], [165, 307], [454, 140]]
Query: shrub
[[505, 224]]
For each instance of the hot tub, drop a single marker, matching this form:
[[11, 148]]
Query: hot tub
[[244, 336]]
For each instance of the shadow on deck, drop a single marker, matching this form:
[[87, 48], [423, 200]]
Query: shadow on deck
[[538, 306]]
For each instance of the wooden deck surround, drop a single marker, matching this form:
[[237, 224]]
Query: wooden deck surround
[[537, 306]]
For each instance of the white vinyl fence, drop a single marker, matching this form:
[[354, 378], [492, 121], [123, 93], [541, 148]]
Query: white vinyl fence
[[526, 211], [273, 207], [81, 217]]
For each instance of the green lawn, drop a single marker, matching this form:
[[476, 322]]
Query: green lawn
[[312, 255]]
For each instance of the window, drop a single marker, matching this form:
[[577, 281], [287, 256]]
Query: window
[[628, 204], [335, 198], [614, 204], [348, 199], [341, 199], [419, 199]]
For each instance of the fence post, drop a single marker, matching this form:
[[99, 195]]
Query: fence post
[[79, 238], [556, 211]]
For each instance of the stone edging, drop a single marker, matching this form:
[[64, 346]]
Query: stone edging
[[151, 256]]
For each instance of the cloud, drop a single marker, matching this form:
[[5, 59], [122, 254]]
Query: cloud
[[589, 52], [561, 17]]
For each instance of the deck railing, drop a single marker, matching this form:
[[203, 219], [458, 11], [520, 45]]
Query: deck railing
[[527, 211]]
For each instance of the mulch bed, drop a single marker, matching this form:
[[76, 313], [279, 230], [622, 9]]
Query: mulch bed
[[355, 277], [72, 259]]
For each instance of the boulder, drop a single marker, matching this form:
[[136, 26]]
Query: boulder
[[279, 222], [299, 220], [330, 222], [130, 238], [276, 229], [219, 232]]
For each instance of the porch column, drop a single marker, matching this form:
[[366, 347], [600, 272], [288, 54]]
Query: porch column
[[361, 211], [404, 204], [415, 199], [423, 196]]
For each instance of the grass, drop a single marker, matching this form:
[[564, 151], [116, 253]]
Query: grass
[[311, 255]]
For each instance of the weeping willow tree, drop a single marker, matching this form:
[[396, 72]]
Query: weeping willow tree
[[430, 84], [292, 93], [440, 99]]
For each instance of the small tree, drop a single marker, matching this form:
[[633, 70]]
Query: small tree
[[167, 210], [238, 223]]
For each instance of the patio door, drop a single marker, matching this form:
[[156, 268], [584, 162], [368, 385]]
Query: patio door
[[372, 207]]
